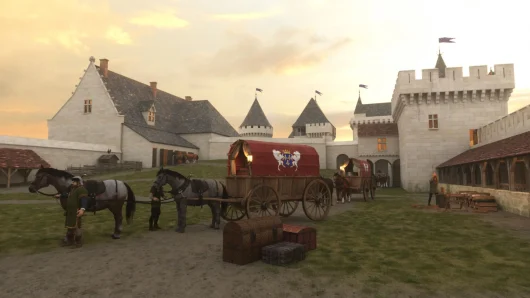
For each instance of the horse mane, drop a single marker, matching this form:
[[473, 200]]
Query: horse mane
[[171, 173], [55, 172]]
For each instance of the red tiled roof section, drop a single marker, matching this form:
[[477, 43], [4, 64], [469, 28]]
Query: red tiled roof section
[[513, 146], [377, 129], [21, 159]]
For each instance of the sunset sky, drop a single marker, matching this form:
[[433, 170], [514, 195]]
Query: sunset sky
[[222, 50]]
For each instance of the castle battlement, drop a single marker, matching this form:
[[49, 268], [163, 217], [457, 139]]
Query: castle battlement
[[452, 87]]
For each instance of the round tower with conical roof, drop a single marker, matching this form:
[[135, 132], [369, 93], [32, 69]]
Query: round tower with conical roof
[[256, 123]]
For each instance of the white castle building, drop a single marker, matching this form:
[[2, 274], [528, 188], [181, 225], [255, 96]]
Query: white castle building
[[426, 123]]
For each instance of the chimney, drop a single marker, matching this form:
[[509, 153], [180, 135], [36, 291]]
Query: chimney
[[153, 88], [188, 98], [104, 66]]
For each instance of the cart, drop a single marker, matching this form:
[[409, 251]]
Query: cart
[[267, 179], [358, 174]]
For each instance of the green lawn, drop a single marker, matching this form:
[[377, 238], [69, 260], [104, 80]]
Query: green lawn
[[387, 242], [37, 228]]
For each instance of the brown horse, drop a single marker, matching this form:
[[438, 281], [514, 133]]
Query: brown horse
[[382, 180], [107, 194], [343, 188]]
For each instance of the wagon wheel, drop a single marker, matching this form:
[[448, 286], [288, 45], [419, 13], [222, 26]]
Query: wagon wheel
[[262, 200], [365, 189], [232, 212], [317, 200], [288, 208]]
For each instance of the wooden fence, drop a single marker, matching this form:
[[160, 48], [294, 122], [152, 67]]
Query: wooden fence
[[92, 170]]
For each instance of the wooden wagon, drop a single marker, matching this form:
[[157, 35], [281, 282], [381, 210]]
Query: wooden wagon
[[358, 174], [267, 179]]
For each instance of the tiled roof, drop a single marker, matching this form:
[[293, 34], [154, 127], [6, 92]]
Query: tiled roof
[[311, 114], [174, 115], [21, 159], [513, 146], [373, 109], [377, 129], [256, 116]]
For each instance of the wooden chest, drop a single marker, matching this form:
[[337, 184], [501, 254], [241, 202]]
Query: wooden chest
[[300, 234], [244, 239], [283, 253]]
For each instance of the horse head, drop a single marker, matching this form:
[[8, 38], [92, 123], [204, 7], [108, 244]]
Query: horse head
[[166, 176], [50, 176]]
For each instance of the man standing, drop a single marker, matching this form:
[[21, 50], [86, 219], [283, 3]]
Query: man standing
[[433, 187], [156, 196], [76, 205]]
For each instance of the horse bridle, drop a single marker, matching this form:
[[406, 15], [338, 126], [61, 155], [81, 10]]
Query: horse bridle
[[174, 192]]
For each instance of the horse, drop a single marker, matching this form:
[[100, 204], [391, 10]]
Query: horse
[[343, 188], [382, 179], [184, 188], [107, 194]]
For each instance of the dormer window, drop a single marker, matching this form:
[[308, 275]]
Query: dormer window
[[88, 106], [151, 115]]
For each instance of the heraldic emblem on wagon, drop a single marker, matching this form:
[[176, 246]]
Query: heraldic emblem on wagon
[[286, 159]]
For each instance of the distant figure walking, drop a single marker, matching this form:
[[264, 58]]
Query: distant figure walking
[[433, 187]]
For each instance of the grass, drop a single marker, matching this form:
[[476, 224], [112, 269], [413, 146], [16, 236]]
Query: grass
[[37, 228], [388, 242]]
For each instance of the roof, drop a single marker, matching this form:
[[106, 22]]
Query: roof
[[108, 157], [373, 109], [513, 146], [154, 135], [311, 114], [174, 115], [440, 64], [21, 159], [377, 129], [274, 159], [256, 116]]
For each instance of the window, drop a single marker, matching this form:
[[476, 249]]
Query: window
[[433, 121], [88, 106], [381, 144], [151, 115]]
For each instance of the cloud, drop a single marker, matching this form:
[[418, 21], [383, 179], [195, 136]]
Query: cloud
[[289, 52], [117, 35], [246, 16], [160, 20]]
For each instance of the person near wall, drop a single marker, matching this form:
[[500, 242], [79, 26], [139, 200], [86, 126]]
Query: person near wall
[[76, 205], [433, 187]]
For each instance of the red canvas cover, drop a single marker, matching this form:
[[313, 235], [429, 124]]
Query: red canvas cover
[[276, 159], [364, 167]]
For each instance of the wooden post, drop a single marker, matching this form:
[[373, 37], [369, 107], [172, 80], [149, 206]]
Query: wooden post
[[526, 160], [511, 172], [483, 174], [472, 174], [9, 174], [496, 176]]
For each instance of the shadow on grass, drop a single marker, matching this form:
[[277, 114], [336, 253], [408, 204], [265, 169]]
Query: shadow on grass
[[388, 242], [36, 228]]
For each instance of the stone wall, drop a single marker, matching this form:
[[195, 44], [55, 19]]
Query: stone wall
[[510, 125], [511, 201]]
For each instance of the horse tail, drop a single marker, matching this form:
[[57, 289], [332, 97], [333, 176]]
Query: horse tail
[[131, 204]]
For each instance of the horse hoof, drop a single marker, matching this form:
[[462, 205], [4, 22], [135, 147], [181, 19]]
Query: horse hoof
[[115, 236]]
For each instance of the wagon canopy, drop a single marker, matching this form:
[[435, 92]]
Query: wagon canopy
[[273, 159], [364, 167]]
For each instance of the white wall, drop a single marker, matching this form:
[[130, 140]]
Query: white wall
[[254, 130], [334, 149], [137, 148], [510, 125], [102, 126], [201, 140], [368, 146]]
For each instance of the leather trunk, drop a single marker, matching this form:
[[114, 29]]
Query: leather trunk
[[306, 236], [244, 239]]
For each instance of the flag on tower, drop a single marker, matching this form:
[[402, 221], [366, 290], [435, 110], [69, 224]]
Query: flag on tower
[[446, 40], [363, 86], [258, 89], [318, 92]]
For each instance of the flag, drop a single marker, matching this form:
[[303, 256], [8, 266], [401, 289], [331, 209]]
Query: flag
[[258, 89], [318, 92], [446, 40], [363, 86]]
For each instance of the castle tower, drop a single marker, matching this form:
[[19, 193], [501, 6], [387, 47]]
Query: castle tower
[[370, 114], [434, 114], [312, 123], [256, 123]]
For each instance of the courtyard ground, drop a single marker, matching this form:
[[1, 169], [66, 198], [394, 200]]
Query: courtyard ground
[[383, 248]]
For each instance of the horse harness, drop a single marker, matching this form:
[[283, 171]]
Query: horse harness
[[198, 187]]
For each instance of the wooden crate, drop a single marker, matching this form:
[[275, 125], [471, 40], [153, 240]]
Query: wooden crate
[[244, 239], [306, 236]]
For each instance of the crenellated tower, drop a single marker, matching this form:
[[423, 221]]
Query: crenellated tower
[[370, 114], [312, 123], [256, 123], [434, 113]]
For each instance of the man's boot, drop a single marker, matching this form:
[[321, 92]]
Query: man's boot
[[68, 240], [151, 223], [156, 226]]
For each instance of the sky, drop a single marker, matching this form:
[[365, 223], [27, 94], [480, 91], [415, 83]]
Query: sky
[[222, 50]]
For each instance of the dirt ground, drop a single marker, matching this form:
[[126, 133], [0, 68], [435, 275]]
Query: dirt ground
[[169, 264]]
